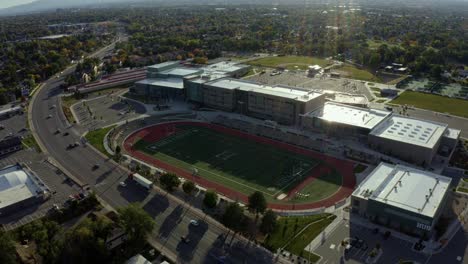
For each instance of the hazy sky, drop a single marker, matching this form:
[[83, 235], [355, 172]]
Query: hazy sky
[[8, 3]]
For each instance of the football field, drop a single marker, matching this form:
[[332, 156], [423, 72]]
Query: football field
[[238, 163]]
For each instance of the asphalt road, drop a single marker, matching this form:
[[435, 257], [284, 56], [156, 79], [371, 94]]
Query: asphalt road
[[172, 218]]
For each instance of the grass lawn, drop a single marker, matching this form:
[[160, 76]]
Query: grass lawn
[[288, 228], [251, 72], [321, 189], [433, 102], [96, 137], [289, 62], [358, 74], [462, 189], [238, 163], [30, 142], [375, 89], [381, 101], [375, 44]]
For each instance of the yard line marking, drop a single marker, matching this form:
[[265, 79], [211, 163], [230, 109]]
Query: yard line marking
[[217, 175], [311, 162]]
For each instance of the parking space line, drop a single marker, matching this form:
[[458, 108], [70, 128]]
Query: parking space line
[[363, 254]]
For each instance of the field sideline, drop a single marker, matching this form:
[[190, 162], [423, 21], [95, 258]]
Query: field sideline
[[239, 165]]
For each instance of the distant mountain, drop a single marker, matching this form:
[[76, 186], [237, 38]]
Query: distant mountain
[[44, 5]]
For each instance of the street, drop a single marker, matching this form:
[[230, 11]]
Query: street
[[171, 217]]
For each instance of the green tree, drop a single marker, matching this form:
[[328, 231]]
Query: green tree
[[169, 181], [188, 187], [7, 245], [268, 222], [257, 203], [137, 223], [86, 242], [233, 217], [211, 199]]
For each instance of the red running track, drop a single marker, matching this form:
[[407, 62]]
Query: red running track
[[159, 131]]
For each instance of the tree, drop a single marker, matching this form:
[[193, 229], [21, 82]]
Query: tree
[[86, 243], [8, 255], [268, 222], [137, 224], [257, 202], [188, 187], [211, 199], [200, 60], [169, 181], [233, 216]]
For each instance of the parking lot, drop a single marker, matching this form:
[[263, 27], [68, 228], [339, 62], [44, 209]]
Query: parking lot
[[60, 186], [106, 110], [13, 126], [394, 249], [299, 79]]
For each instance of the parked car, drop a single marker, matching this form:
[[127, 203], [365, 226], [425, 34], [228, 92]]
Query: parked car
[[194, 222]]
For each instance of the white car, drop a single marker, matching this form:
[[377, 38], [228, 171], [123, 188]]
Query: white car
[[194, 222], [123, 184]]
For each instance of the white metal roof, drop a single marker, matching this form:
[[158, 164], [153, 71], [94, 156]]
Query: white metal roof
[[350, 115], [410, 130], [452, 133], [404, 187], [163, 64], [279, 91], [181, 71], [166, 82], [16, 185], [137, 259]]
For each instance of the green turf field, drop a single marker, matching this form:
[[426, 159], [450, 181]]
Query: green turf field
[[433, 102], [320, 189], [240, 164], [289, 62]]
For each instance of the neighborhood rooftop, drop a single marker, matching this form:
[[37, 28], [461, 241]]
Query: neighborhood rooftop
[[349, 115], [404, 187], [410, 130]]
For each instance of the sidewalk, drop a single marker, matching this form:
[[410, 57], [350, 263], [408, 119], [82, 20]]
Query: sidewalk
[[369, 225], [322, 237]]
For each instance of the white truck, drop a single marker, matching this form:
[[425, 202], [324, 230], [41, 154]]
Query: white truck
[[142, 181]]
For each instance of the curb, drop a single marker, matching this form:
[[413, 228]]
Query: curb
[[41, 145]]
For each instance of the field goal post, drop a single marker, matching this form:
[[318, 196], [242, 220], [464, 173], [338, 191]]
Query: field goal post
[[297, 171]]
